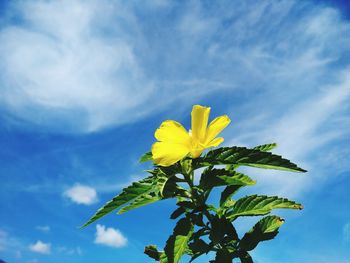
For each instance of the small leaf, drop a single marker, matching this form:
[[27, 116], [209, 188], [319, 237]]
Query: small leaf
[[245, 258], [255, 205], [169, 188], [146, 157], [223, 256], [227, 193], [186, 165], [179, 211], [152, 252], [219, 177], [197, 219], [246, 157], [222, 230], [177, 242], [198, 247], [266, 147], [265, 229], [199, 233]]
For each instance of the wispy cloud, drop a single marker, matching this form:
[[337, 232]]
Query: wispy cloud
[[41, 247], [69, 69], [81, 194], [70, 251], [346, 232], [8, 242], [76, 66], [3, 236], [44, 229], [110, 237]]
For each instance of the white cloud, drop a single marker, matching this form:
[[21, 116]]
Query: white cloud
[[110, 237], [41, 247], [82, 194], [44, 229]]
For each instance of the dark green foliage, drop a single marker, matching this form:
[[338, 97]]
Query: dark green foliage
[[265, 229], [246, 157], [204, 227]]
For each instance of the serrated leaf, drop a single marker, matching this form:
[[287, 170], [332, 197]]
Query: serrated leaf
[[177, 243], [159, 191], [220, 177], [146, 157], [144, 199], [266, 147], [128, 194], [246, 157], [265, 229], [255, 205]]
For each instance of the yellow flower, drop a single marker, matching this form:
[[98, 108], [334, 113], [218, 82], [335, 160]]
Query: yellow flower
[[174, 142]]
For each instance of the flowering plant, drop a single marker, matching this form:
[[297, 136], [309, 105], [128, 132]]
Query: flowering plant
[[204, 227]]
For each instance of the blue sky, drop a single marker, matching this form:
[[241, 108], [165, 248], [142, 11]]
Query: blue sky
[[84, 85]]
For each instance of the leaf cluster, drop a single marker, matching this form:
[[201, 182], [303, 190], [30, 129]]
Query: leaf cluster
[[203, 227]]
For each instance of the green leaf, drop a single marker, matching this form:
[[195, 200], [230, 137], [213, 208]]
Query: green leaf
[[266, 147], [178, 212], [144, 199], [197, 219], [177, 242], [152, 252], [163, 258], [255, 205], [246, 157], [245, 258], [265, 229], [146, 157], [168, 187], [198, 247], [219, 177], [222, 230], [223, 256], [128, 194], [227, 193], [163, 188], [186, 165]]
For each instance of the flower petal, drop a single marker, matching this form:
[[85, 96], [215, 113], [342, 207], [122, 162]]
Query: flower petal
[[200, 117], [167, 153], [172, 131], [215, 142], [216, 126]]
